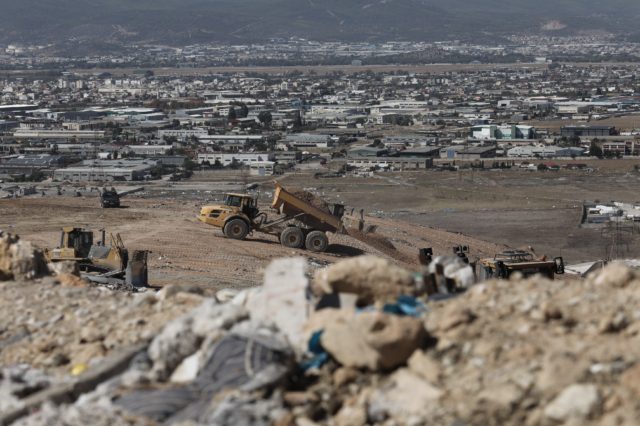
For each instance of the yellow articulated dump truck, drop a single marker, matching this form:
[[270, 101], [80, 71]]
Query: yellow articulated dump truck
[[303, 219]]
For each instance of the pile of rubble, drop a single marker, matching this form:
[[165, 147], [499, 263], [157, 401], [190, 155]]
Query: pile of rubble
[[360, 342]]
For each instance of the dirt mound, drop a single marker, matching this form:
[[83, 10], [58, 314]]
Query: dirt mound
[[312, 199], [519, 352], [380, 243]]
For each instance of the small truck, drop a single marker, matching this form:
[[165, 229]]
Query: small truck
[[300, 222], [109, 198]]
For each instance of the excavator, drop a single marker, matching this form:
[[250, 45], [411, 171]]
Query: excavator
[[98, 261]]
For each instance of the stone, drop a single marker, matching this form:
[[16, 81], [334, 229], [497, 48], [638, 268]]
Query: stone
[[372, 340], [20, 260], [171, 290], [71, 281], [500, 400], [226, 294], [174, 343], [425, 366], [300, 398], [631, 379], [405, 394], [454, 317], [187, 371], [282, 300], [88, 354], [576, 401], [372, 278], [615, 275], [560, 370], [344, 375], [65, 267], [614, 323], [351, 414], [211, 317]]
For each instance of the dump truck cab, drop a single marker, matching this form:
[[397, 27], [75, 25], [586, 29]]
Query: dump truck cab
[[502, 265], [235, 215]]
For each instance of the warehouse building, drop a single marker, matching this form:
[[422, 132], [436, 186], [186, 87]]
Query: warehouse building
[[239, 157], [390, 163], [106, 170], [587, 131]]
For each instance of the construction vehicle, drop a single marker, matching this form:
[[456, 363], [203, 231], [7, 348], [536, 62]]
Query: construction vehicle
[[502, 265], [301, 223], [99, 262], [109, 198]]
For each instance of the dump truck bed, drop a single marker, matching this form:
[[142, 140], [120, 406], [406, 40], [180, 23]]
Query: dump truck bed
[[290, 205]]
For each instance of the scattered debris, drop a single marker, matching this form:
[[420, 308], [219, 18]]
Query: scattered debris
[[519, 351]]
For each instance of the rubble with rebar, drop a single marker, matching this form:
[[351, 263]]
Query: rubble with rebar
[[359, 342]]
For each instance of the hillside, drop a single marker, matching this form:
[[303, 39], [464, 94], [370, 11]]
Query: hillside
[[188, 21]]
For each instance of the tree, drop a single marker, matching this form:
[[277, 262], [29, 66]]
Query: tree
[[189, 164], [595, 150], [297, 122], [244, 110], [265, 118], [232, 114]]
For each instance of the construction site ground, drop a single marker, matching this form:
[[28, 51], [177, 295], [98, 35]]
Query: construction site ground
[[486, 210]]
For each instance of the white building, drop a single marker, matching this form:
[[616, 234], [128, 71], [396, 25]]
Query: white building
[[492, 131], [227, 159], [149, 149], [183, 134], [544, 151], [262, 168]]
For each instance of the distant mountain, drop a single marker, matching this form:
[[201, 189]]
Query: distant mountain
[[188, 21]]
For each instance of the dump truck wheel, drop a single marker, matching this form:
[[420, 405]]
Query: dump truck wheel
[[317, 241], [236, 229], [292, 237]]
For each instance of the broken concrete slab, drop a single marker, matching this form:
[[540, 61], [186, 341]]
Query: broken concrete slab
[[372, 278], [282, 301], [372, 340]]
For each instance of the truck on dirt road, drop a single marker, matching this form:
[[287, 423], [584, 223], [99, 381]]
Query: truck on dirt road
[[303, 219], [109, 198]]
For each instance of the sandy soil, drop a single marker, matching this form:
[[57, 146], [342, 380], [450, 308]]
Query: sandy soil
[[487, 211], [187, 251]]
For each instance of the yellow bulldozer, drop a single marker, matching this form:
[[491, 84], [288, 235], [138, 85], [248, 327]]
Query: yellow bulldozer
[[98, 261], [503, 264]]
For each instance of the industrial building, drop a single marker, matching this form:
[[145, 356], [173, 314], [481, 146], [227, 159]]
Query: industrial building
[[367, 151], [587, 131], [59, 134], [468, 152], [146, 150], [545, 151], [106, 170], [390, 163], [28, 165], [513, 131], [262, 168], [426, 152], [228, 159]]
